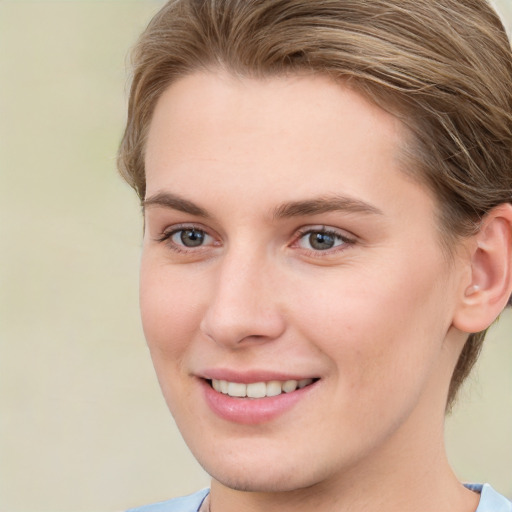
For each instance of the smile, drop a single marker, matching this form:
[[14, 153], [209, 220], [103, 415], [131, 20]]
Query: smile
[[258, 389]]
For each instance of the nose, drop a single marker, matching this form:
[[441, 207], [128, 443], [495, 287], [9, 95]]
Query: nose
[[244, 306]]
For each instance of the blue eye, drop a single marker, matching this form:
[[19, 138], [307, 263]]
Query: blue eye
[[190, 238], [321, 240]]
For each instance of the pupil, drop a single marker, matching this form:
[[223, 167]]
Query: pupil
[[192, 238], [321, 241]]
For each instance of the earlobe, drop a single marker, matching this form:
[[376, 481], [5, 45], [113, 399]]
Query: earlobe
[[491, 272]]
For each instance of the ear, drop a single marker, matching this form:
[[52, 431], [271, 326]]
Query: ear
[[490, 286]]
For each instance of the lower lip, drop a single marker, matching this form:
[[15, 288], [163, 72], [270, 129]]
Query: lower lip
[[251, 411]]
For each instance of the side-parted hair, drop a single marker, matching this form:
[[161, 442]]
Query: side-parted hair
[[443, 67]]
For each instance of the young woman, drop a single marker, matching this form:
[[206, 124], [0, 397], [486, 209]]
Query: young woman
[[327, 196]]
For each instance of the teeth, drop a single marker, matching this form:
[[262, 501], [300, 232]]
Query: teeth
[[259, 389], [274, 388], [289, 386], [304, 382], [237, 389]]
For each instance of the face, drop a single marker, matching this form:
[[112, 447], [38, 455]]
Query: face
[[295, 297]]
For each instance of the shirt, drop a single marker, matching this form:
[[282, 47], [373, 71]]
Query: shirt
[[490, 501]]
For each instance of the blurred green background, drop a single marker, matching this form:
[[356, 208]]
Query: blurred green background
[[83, 426]]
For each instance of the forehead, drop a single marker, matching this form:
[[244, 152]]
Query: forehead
[[308, 120], [245, 146]]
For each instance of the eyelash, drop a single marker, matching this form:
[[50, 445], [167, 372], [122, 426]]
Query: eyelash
[[346, 241], [167, 235]]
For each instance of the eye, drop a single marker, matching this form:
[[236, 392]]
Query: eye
[[321, 239], [190, 237], [186, 238]]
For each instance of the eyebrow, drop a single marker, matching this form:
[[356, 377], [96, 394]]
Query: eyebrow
[[168, 200], [325, 204], [290, 209]]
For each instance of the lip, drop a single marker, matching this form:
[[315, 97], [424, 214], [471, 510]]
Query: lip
[[252, 411], [247, 377]]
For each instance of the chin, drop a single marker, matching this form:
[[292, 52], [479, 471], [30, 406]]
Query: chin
[[270, 475], [259, 482], [245, 484]]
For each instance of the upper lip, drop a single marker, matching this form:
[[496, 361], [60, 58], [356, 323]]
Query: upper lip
[[247, 377]]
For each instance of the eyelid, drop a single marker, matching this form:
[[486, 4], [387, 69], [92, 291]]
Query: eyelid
[[167, 234], [347, 238]]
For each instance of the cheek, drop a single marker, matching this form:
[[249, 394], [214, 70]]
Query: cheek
[[170, 310], [386, 328], [170, 319]]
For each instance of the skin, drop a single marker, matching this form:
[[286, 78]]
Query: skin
[[372, 317]]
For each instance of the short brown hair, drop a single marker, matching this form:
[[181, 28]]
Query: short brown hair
[[443, 67]]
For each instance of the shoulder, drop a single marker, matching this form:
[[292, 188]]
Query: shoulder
[[190, 503], [490, 500]]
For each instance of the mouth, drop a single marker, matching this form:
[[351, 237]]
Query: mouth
[[259, 389], [255, 400]]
